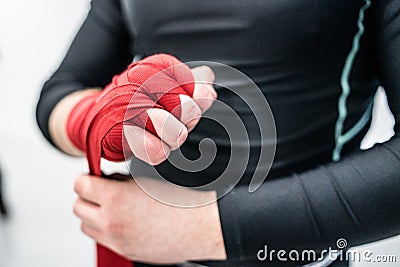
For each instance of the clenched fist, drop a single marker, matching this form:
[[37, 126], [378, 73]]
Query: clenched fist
[[148, 109]]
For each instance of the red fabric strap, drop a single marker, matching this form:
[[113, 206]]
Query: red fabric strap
[[76, 119], [107, 258]]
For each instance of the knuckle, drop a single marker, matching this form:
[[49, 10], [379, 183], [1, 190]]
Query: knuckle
[[208, 72]]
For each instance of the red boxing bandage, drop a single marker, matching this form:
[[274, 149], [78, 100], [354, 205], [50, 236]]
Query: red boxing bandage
[[95, 125]]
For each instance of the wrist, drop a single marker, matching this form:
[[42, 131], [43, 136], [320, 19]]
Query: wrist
[[75, 129], [59, 118], [208, 234]]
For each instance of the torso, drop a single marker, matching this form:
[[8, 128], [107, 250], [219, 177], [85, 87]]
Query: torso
[[295, 51]]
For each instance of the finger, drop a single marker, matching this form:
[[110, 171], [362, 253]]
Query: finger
[[146, 146], [87, 212], [169, 129], [204, 93], [91, 188], [190, 112]]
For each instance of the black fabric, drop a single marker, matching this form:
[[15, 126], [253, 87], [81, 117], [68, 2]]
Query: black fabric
[[296, 52], [353, 199]]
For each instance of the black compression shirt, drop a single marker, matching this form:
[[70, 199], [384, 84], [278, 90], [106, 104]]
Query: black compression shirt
[[304, 55]]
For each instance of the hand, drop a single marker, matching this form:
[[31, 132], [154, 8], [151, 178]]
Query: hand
[[119, 215], [171, 128], [159, 94]]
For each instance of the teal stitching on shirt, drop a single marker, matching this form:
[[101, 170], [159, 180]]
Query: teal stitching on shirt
[[345, 84], [350, 134]]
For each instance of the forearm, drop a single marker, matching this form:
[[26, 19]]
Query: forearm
[[357, 199]]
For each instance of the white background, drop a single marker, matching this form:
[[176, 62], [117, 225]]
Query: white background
[[42, 230]]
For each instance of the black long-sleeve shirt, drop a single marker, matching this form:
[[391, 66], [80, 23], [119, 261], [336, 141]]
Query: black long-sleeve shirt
[[303, 55]]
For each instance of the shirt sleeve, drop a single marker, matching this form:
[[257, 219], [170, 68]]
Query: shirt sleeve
[[99, 50], [357, 199]]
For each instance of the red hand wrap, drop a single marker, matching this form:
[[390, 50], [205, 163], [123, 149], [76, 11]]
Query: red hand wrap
[[95, 124]]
